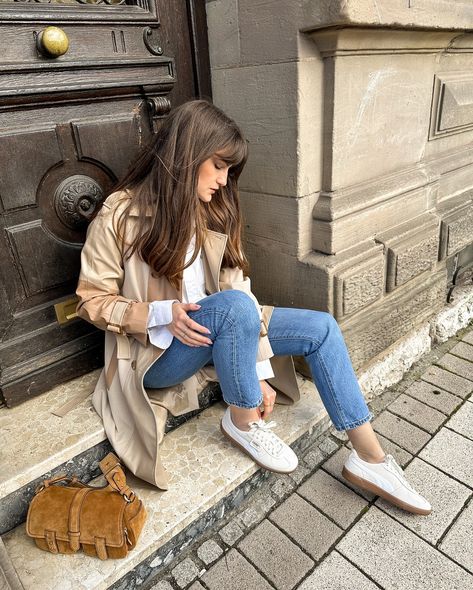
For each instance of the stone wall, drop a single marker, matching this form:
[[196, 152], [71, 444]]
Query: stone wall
[[359, 116]]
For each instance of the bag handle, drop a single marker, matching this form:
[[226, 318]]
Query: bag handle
[[114, 474], [60, 477]]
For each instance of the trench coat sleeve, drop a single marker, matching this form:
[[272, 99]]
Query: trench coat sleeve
[[101, 280], [233, 278]]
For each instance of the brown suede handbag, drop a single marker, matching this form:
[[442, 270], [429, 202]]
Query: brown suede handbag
[[106, 522]]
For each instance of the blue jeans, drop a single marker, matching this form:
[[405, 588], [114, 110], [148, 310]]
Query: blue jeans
[[234, 323]]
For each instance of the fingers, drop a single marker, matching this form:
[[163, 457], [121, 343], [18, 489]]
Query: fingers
[[187, 330]]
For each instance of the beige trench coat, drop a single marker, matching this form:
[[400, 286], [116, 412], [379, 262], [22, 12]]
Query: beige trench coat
[[113, 295]]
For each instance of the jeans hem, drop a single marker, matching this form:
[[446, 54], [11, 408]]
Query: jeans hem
[[246, 406], [355, 424]]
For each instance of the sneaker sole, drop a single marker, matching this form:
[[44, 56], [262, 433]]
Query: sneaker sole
[[242, 448], [371, 487]]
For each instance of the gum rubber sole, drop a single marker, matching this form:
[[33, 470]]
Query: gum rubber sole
[[242, 448], [371, 487]]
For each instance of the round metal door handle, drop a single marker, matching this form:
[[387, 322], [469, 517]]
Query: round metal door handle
[[52, 42]]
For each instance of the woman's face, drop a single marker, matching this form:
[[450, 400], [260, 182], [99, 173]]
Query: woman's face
[[213, 173]]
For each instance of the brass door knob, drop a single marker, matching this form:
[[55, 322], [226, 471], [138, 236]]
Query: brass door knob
[[52, 42]]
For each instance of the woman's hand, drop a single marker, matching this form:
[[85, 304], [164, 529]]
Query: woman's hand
[[185, 329], [269, 397]]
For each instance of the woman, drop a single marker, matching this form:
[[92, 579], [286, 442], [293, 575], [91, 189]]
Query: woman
[[164, 273]]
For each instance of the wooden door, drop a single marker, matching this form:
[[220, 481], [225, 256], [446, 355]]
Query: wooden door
[[69, 126]]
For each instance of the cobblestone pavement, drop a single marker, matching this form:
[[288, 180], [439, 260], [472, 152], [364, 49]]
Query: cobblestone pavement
[[310, 530]]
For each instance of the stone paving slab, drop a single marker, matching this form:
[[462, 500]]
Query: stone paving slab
[[333, 498], [334, 466], [446, 496], [468, 337], [418, 413], [433, 396], [457, 365], [457, 542], [270, 551], [462, 421], [395, 558], [451, 453], [234, 573], [310, 529], [448, 381], [403, 433], [463, 350], [336, 573]]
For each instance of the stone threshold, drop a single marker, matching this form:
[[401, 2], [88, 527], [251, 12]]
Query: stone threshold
[[208, 476], [74, 443]]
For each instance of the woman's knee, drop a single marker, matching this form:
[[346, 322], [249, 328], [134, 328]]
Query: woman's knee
[[241, 308], [324, 325]]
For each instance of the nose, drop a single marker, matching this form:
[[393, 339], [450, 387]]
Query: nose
[[222, 177]]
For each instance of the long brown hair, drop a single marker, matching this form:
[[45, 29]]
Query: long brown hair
[[163, 181]]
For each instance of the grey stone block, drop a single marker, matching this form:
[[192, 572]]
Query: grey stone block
[[457, 365], [448, 381], [446, 496], [196, 586], [260, 505], [463, 350], [311, 530], [451, 453], [271, 552], [328, 446], [333, 498], [162, 585], [395, 557], [457, 542], [299, 474], [233, 572], [336, 573], [185, 572], [313, 458], [283, 486], [468, 337], [418, 413], [231, 532], [462, 421], [334, 466], [209, 551], [433, 396], [406, 435]]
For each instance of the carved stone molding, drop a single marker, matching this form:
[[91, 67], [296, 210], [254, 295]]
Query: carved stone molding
[[76, 200], [452, 104]]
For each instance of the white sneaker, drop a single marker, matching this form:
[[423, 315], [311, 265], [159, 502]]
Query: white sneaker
[[262, 445], [386, 480]]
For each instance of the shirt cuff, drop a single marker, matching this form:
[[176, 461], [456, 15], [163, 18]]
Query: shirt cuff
[[159, 316], [264, 370]]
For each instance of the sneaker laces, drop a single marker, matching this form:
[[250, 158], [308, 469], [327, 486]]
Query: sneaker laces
[[263, 435], [394, 468]]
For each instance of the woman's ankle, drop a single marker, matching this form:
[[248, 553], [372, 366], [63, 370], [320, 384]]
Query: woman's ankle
[[241, 417]]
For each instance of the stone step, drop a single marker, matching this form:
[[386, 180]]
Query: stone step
[[208, 477], [36, 444]]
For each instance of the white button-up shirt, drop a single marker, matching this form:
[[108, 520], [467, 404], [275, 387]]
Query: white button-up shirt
[[193, 289]]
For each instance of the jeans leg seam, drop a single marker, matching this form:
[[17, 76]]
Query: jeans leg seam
[[341, 414]]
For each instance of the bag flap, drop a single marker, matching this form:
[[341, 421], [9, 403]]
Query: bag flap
[[102, 515]]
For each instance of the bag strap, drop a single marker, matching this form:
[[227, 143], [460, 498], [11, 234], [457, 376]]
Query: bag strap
[[74, 517], [61, 477], [114, 474]]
